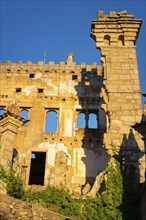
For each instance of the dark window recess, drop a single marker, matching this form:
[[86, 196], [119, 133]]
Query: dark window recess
[[74, 77], [18, 90], [4, 96], [40, 90], [83, 69], [90, 140], [31, 75], [37, 168]]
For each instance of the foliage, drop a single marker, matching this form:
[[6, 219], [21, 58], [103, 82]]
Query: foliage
[[118, 200], [57, 200], [14, 184], [3, 174], [130, 196], [107, 205]]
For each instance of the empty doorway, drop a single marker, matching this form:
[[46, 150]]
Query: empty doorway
[[37, 168]]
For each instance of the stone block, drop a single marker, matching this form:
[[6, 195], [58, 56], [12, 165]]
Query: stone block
[[86, 189]]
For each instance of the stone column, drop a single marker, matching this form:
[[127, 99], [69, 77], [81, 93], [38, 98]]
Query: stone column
[[9, 127]]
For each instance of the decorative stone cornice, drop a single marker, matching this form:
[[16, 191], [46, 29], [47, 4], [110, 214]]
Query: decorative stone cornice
[[115, 25], [11, 122], [6, 114]]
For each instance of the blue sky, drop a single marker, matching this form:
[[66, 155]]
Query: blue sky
[[29, 27]]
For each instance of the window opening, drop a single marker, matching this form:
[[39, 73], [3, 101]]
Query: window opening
[[92, 122], [24, 114], [40, 90], [74, 77], [18, 90], [37, 168], [121, 40], [33, 155], [31, 75], [14, 155], [81, 121], [2, 111], [51, 122], [107, 40]]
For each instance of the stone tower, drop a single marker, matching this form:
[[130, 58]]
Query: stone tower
[[115, 35]]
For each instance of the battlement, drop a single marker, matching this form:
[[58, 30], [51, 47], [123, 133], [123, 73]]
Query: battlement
[[48, 80], [123, 15], [51, 67]]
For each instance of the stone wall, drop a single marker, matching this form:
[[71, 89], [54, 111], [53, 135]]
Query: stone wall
[[110, 92], [67, 89], [14, 209]]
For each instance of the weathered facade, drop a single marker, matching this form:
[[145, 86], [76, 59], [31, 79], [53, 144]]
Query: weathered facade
[[105, 98]]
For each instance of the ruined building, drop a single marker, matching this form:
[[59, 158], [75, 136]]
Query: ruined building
[[48, 144]]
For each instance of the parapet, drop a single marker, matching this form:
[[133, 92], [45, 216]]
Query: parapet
[[62, 68]]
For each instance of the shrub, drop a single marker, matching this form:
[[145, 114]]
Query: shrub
[[107, 205], [130, 206], [14, 184], [3, 174], [117, 201], [55, 199]]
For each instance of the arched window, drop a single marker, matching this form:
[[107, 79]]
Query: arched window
[[92, 122], [24, 114], [120, 40], [81, 121], [51, 122], [107, 40], [2, 111]]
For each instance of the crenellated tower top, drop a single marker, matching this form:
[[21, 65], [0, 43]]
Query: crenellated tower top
[[115, 29]]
